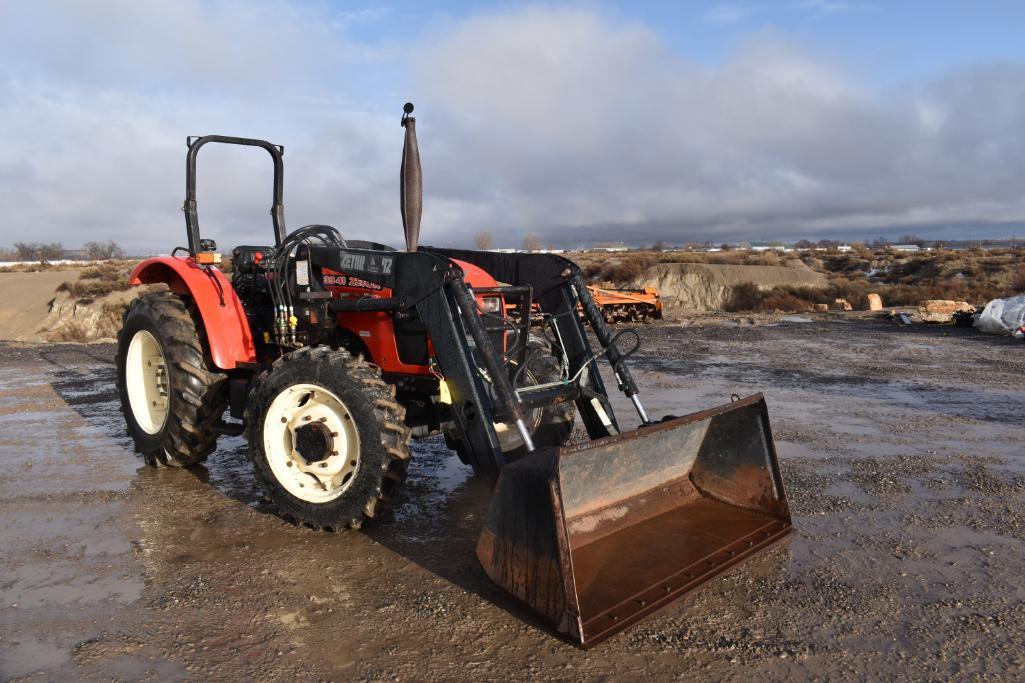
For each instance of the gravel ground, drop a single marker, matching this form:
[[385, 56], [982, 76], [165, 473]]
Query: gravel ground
[[902, 448]]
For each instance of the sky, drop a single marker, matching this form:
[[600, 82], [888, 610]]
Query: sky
[[576, 122]]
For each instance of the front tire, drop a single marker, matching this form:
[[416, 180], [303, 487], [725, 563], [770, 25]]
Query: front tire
[[327, 438], [549, 427], [171, 396]]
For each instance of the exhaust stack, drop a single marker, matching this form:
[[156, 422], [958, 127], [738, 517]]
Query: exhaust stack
[[410, 182]]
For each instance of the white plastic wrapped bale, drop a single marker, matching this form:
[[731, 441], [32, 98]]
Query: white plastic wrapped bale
[[1003, 316]]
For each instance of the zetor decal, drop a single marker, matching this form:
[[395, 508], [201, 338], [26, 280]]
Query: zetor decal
[[375, 264], [349, 281]]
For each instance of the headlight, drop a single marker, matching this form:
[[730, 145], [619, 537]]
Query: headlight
[[491, 304]]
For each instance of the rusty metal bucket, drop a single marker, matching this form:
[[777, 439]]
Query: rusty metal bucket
[[594, 537]]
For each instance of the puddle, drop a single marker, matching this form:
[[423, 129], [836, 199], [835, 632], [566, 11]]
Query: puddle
[[24, 656]]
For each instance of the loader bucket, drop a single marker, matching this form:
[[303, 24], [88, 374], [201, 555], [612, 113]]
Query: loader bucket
[[596, 536]]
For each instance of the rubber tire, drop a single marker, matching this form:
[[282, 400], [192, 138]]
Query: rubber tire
[[384, 437], [198, 392], [556, 423]]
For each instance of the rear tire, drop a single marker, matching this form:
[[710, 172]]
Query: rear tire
[[171, 395], [327, 438]]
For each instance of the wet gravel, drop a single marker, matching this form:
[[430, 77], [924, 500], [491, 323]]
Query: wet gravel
[[902, 450]]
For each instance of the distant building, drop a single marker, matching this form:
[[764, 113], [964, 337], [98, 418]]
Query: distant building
[[906, 248], [610, 246], [506, 250], [765, 246]]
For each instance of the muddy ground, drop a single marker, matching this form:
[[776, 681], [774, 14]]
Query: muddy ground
[[903, 451]]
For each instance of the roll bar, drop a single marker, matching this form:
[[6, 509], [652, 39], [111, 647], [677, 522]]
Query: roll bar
[[277, 209]]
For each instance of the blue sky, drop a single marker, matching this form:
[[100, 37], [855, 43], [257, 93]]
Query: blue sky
[[572, 121]]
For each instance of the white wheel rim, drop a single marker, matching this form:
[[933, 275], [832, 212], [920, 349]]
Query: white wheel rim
[[147, 382], [310, 405]]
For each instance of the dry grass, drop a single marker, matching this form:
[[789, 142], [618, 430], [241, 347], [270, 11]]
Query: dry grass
[[98, 281], [618, 268], [974, 275], [748, 297], [105, 326], [623, 268], [70, 331]]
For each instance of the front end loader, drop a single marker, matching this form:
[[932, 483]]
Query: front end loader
[[330, 354]]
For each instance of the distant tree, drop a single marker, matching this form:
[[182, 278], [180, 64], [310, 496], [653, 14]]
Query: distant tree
[[880, 242], [726, 246], [911, 238], [482, 240], [659, 246], [51, 251], [804, 244], [27, 251], [35, 251], [531, 242], [103, 251]]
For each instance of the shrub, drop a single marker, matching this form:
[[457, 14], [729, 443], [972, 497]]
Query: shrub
[[1018, 280], [744, 297], [98, 281], [70, 331], [621, 269]]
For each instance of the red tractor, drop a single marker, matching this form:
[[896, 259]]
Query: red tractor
[[329, 354]]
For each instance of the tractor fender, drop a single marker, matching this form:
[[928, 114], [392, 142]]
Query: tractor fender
[[224, 319]]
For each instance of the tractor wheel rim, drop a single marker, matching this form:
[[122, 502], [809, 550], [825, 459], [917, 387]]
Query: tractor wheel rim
[[508, 436], [325, 476], [147, 382]]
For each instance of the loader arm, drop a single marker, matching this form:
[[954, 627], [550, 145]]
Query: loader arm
[[431, 285], [559, 287]]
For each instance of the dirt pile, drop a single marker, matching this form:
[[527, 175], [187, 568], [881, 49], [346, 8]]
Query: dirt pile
[[32, 308], [72, 320], [706, 287]]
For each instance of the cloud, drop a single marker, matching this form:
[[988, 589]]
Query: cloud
[[728, 13], [561, 122], [835, 6], [574, 126], [96, 101]]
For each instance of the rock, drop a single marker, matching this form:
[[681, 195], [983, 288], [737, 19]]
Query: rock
[[875, 302], [821, 307], [942, 310], [842, 305]]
